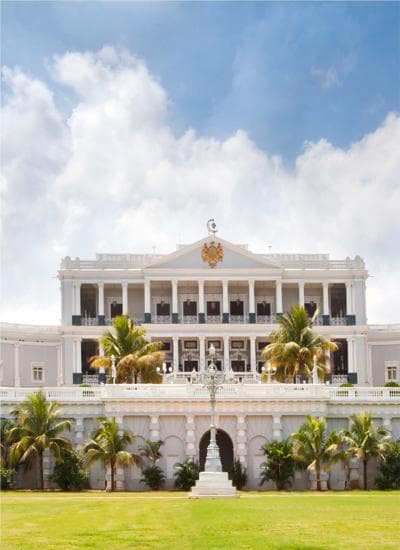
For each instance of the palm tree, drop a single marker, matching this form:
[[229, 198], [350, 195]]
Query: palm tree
[[5, 427], [294, 346], [152, 450], [314, 447], [136, 358], [108, 446], [153, 476], [186, 473], [37, 428], [365, 441]]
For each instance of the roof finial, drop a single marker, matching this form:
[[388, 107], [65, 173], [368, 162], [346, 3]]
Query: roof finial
[[211, 226]]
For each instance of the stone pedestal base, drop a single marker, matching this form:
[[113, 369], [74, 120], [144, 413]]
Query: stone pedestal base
[[213, 485]]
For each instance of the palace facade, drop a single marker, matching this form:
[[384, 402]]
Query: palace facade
[[209, 292]]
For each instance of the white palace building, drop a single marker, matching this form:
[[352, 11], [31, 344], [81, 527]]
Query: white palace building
[[209, 292]]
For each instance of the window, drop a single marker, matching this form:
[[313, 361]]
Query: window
[[238, 366], [116, 309], [391, 371], [190, 344], [213, 308], [261, 345], [189, 308], [189, 366], [215, 343], [263, 309], [163, 308], [37, 372], [237, 307], [237, 344], [217, 363]]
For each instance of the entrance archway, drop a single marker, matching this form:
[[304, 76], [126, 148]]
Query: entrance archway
[[225, 445]]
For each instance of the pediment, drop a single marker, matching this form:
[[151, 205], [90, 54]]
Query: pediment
[[234, 257]]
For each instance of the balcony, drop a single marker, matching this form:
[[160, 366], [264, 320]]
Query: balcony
[[266, 319], [338, 321], [162, 319], [188, 319], [214, 319]]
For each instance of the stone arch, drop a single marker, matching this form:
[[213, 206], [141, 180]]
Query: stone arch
[[255, 457], [173, 451], [225, 445]]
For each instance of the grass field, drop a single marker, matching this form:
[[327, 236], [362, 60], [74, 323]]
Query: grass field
[[169, 520]]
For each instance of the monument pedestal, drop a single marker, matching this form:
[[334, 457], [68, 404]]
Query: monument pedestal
[[213, 485]]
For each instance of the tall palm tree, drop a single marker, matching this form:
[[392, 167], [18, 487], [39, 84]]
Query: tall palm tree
[[5, 427], [314, 447], [37, 428], [151, 451], [136, 358], [294, 346], [365, 441], [108, 446]]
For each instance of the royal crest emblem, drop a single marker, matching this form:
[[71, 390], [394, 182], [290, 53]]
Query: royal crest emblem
[[212, 253]]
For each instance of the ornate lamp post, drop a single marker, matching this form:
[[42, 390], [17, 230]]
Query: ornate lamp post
[[113, 369], [213, 380]]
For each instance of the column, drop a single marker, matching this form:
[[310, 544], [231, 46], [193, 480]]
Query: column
[[351, 365], [147, 302], [124, 298], [253, 355], [252, 302], [190, 437], [301, 293], [60, 374], [226, 354], [277, 428], [175, 316], [202, 317], [325, 300], [77, 361], [279, 298], [46, 468], [225, 301], [76, 317], [17, 377], [350, 317], [100, 313], [102, 370], [202, 344], [79, 433], [175, 354], [154, 428], [241, 440]]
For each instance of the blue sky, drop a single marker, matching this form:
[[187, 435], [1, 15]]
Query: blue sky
[[284, 72], [127, 125]]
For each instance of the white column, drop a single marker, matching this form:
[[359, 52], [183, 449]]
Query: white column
[[225, 297], [226, 354], [201, 296], [351, 365], [147, 297], [325, 290], [202, 344], [174, 296], [101, 299], [175, 353], [124, 298], [190, 438], [253, 354], [154, 428], [102, 370], [60, 373], [301, 293], [279, 299], [241, 439], [77, 355], [276, 428], [77, 298], [252, 298], [349, 301], [17, 378]]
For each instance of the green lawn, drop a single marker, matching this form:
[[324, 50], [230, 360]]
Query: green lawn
[[170, 520]]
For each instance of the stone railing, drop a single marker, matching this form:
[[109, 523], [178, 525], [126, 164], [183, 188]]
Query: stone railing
[[188, 391]]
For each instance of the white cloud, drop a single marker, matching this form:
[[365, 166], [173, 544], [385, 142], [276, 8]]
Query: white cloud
[[327, 78], [111, 176]]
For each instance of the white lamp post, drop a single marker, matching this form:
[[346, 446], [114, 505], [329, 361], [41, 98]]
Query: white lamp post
[[113, 369]]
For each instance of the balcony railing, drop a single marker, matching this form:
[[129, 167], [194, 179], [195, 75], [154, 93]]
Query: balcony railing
[[267, 319], [162, 319], [338, 321], [188, 319], [214, 319], [307, 392], [238, 319], [89, 321]]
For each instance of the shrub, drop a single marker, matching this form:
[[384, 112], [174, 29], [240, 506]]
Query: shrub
[[69, 472], [6, 478], [392, 384], [238, 475], [389, 469], [280, 464], [153, 476], [347, 385], [186, 473]]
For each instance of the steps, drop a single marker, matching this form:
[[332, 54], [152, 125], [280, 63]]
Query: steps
[[213, 485]]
